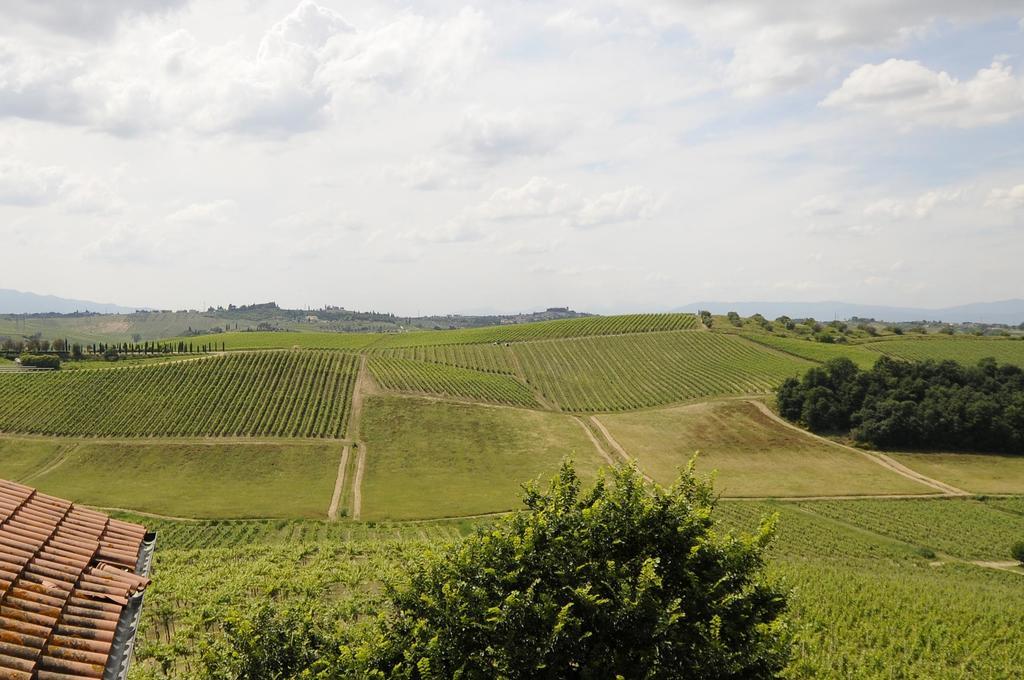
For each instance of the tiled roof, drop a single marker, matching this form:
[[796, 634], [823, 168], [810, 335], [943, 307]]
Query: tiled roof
[[66, 576]]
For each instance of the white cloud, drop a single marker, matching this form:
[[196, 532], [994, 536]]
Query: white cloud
[[432, 173], [539, 197], [777, 46], [309, 66], [918, 208], [1006, 199], [26, 185], [490, 137], [626, 205], [913, 94], [96, 18], [818, 206], [208, 213]]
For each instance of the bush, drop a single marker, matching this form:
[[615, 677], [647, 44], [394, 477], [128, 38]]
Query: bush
[[1017, 552], [624, 580], [40, 360]]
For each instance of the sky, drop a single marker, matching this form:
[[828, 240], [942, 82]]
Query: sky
[[433, 156]]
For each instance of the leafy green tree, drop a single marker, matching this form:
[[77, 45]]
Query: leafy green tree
[[625, 580]]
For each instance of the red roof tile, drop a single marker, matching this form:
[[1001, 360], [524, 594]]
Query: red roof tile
[[66, 574]]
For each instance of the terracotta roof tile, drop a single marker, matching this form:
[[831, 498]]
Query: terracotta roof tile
[[67, 574]]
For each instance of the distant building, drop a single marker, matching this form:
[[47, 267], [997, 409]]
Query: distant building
[[312, 318]]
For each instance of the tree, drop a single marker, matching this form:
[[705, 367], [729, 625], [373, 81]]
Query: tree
[[1017, 552], [624, 580]]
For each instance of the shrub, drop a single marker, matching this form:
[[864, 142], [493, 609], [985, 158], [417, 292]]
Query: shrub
[[623, 580], [40, 360], [1017, 552]]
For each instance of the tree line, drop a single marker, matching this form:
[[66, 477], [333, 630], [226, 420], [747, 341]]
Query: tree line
[[938, 405]]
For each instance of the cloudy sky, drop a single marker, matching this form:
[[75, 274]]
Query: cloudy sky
[[435, 156]]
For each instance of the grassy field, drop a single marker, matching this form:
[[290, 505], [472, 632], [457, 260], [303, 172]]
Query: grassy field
[[407, 375], [862, 604], [436, 459], [628, 372], [816, 351], [966, 350], [282, 340], [753, 454], [975, 472], [186, 479], [254, 394]]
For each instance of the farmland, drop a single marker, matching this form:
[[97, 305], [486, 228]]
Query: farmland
[[490, 358], [964, 350], [628, 372], [863, 604], [205, 479], [975, 472], [250, 394], [407, 375], [436, 459], [752, 454], [449, 424]]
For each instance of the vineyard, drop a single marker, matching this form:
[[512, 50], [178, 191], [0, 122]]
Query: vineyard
[[406, 375], [816, 351], [546, 330], [863, 605], [489, 358], [628, 372], [962, 528], [289, 394], [964, 350]]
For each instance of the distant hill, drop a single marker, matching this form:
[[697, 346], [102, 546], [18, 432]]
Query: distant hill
[[17, 302], [1005, 311]]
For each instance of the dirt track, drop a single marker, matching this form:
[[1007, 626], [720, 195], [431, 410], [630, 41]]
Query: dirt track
[[874, 456]]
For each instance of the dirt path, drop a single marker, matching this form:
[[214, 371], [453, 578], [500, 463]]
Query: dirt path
[[617, 447], [339, 484], [357, 484], [364, 386], [874, 456], [593, 440], [108, 509], [1012, 567]]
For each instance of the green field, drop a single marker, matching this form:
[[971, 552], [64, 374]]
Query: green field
[[253, 394], [629, 372], [816, 351], [561, 328], [752, 454], [436, 459], [965, 529], [280, 340], [862, 604], [967, 350], [407, 375], [187, 479], [975, 472], [490, 358]]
